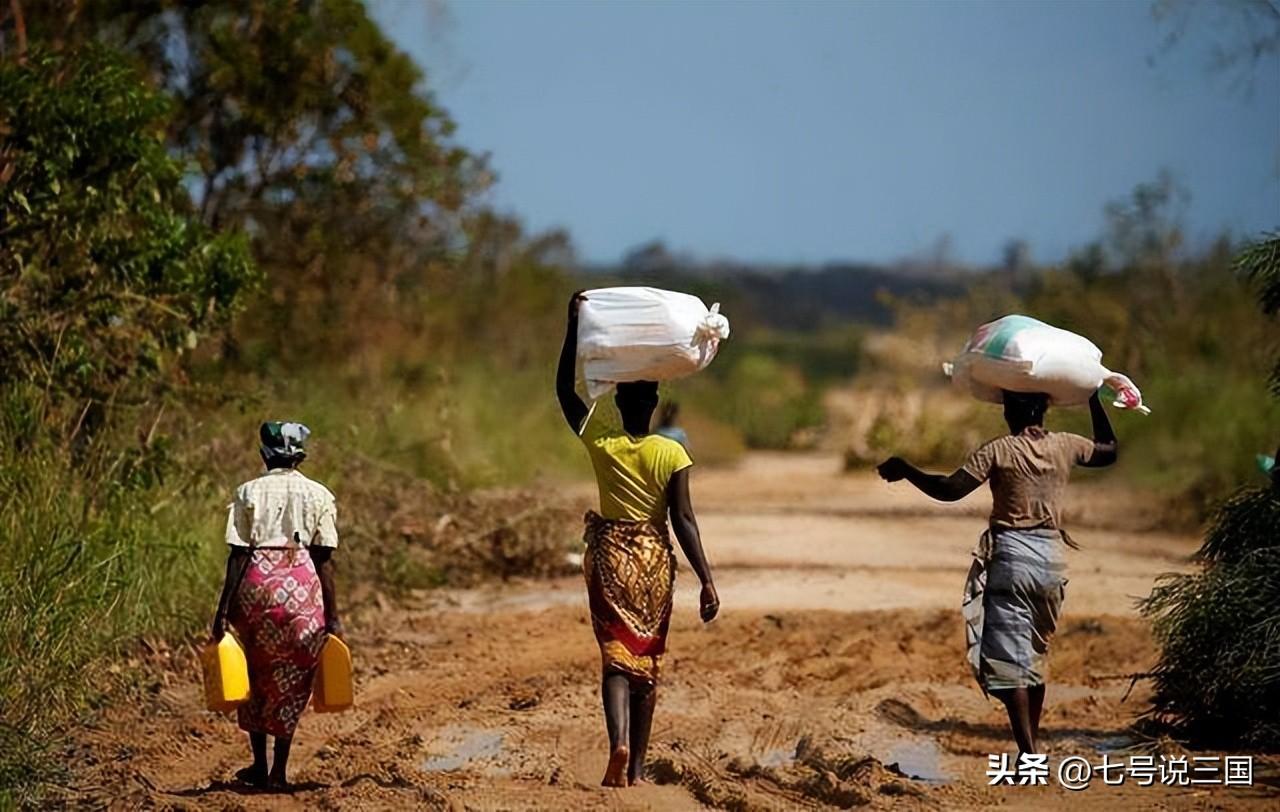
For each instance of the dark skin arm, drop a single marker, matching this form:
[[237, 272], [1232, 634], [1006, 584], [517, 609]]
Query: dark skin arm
[[1106, 447], [323, 558], [685, 525], [237, 561], [958, 485], [575, 411], [950, 488]]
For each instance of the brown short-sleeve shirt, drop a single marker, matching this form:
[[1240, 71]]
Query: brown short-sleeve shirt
[[1028, 473]]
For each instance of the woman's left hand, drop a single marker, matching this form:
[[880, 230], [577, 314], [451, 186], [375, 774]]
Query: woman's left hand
[[709, 602], [334, 627]]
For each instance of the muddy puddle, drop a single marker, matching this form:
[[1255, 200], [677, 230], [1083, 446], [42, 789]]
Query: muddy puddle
[[917, 758], [457, 748], [780, 757]]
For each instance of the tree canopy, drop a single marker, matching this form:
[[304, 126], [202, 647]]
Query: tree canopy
[[307, 128], [106, 273]]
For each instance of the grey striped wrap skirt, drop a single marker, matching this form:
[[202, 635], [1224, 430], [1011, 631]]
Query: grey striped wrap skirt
[[1012, 599]]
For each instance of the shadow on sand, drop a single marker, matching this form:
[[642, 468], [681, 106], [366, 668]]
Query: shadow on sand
[[240, 788]]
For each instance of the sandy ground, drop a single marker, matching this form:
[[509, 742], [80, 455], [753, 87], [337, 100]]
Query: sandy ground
[[833, 678]]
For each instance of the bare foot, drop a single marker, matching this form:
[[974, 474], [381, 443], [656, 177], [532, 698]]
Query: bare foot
[[615, 775], [253, 775]]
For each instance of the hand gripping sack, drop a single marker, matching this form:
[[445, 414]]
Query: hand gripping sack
[[645, 334], [1022, 354]]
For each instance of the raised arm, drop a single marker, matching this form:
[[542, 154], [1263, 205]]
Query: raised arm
[[685, 525], [950, 488], [1106, 448], [575, 411]]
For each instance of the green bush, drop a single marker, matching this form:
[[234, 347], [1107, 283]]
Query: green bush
[[107, 274], [832, 355], [1260, 264], [1218, 677], [926, 440], [1199, 443], [768, 401]]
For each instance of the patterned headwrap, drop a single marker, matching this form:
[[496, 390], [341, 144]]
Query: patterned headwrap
[[283, 442]]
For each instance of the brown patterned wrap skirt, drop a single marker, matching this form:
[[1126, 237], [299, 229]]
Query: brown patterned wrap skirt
[[630, 571]]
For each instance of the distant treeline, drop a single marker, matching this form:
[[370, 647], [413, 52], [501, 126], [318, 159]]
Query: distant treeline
[[788, 298]]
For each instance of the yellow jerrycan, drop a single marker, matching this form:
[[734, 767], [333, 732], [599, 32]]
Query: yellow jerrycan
[[334, 689], [226, 674]]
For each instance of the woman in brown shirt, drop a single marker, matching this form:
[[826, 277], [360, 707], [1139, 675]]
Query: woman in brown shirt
[[1016, 584]]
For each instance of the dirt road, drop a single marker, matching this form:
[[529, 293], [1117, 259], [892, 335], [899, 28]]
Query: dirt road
[[834, 676]]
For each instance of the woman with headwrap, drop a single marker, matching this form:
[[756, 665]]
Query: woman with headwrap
[[1017, 581], [629, 564], [278, 593]]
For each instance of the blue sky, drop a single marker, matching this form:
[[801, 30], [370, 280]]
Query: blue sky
[[821, 131]]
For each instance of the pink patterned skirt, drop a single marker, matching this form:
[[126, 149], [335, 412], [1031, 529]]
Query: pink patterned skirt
[[278, 614]]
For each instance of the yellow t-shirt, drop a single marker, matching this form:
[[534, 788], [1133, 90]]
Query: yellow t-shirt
[[631, 472]]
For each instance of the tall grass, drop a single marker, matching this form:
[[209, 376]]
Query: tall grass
[[460, 426], [99, 550]]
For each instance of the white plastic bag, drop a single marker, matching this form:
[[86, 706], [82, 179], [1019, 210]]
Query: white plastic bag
[[1022, 354], [645, 334]]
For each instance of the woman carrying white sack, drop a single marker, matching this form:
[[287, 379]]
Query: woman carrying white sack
[[1009, 623], [631, 338], [1016, 585]]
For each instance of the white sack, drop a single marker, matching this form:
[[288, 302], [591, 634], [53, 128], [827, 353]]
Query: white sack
[[645, 334], [1022, 354]]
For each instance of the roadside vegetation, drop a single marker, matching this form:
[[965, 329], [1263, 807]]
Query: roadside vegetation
[[1217, 681]]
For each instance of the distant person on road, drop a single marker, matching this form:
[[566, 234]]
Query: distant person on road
[[667, 427], [278, 594], [1017, 583], [629, 563]]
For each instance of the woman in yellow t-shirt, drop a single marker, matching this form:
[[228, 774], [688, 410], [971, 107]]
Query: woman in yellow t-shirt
[[629, 564]]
